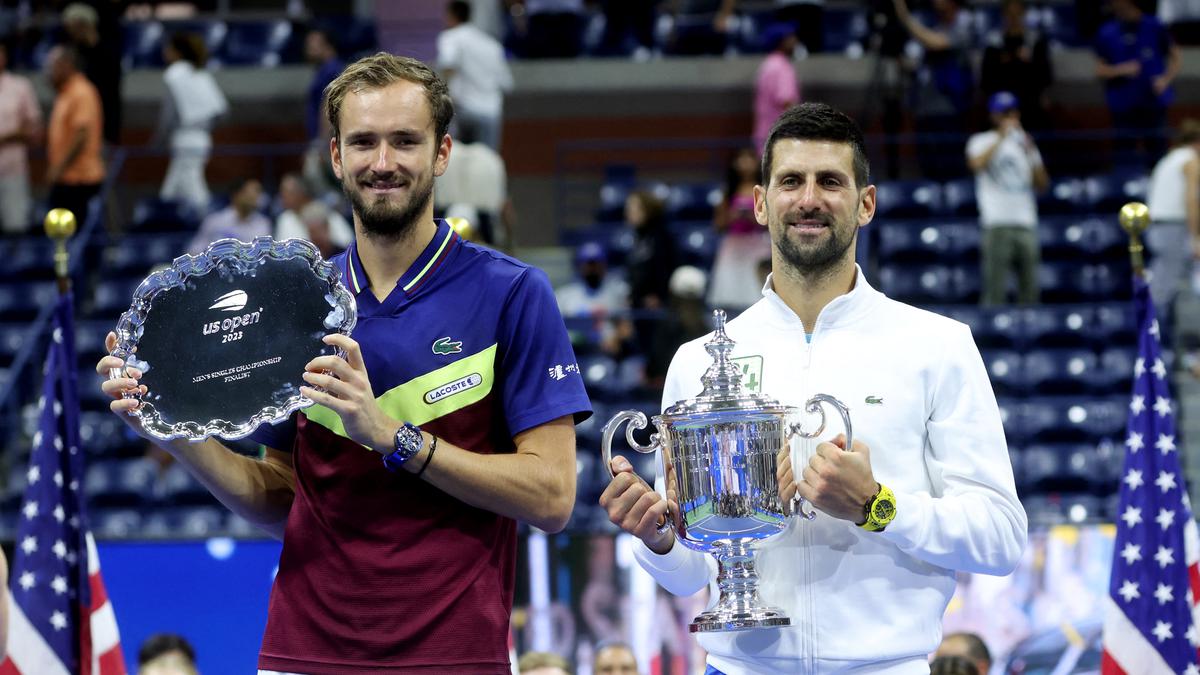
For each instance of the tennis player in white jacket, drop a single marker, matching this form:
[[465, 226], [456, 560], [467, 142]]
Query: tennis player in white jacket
[[865, 591]]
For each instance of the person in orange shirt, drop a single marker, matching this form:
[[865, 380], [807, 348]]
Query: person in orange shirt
[[75, 168]]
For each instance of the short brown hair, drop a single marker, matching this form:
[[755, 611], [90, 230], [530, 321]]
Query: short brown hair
[[381, 70]]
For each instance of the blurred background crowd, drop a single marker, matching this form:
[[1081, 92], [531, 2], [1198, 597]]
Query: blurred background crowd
[[615, 144]]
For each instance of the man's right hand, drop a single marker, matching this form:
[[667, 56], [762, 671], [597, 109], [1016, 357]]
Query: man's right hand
[[637, 508], [118, 387]]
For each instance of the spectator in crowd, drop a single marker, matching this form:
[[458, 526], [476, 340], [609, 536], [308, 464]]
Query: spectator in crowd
[[20, 127], [942, 94], [776, 87], [628, 28], [1138, 62], [614, 658], [687, 320], [701, 26], [475, 67], [548, 28], [321, 51], [75, 168], [744, 242], [542, 663], [968, 646], [166, 654], [1008, 169], [953, 665], [597, 295], [1174, 201], [191, 105], [327, 225], [475, 187], [1017, 60], [240, 220], [649, 264], [94, 29], [806, 18]]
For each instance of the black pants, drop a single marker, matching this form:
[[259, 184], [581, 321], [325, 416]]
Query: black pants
[[74, 198]]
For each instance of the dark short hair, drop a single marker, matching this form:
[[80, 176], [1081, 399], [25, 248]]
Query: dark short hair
[[953, 665], [190, 47], [818, 122], [976, 647], [71, 53], [382, 70], [461, 10], [164, 643]]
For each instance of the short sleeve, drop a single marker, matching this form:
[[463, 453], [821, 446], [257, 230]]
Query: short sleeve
[[540, 379], [278, 436], [448, 52], [977, 144]]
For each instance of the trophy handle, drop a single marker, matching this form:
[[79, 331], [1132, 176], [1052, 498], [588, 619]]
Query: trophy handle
[[813, 405], [637, 420]]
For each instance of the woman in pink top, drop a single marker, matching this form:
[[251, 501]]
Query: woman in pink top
[[736, 283]]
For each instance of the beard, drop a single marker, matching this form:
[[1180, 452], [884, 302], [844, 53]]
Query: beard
[[818, 260], [382, 218]]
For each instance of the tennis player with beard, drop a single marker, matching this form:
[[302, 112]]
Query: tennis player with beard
[[450, 418]]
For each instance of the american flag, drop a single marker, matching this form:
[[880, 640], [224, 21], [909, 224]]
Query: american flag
[[1150, 617], [60, 619]]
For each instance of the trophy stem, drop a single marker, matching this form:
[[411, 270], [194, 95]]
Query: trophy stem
[[738, 606]]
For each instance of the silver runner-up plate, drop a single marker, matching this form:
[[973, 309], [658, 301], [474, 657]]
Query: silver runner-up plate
[[222, 337]]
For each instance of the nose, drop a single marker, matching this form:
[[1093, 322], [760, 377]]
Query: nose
[[808, 194], [382, 162]]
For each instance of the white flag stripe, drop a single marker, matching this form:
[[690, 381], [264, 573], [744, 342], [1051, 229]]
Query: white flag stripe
[[1126, 645], [35, 656]]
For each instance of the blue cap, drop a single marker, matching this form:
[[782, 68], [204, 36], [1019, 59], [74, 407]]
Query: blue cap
[[1001, 102], [776, 33], [591, 252]]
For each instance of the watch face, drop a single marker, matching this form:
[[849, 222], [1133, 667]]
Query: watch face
[[884, 510]]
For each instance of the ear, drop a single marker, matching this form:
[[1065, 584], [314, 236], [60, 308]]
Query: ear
[[866, 205], [760, 205], [442, 159], [335, 156]]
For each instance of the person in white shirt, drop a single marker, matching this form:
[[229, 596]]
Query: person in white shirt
[[476, 70], [864, 594], [1174, 202], [294, 196], [1008, 169], [191, 106]]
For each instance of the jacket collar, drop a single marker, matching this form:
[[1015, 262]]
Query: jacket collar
[[842, 310]]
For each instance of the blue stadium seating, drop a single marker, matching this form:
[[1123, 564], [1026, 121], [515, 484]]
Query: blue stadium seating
[[958, 198], [119, 482], [255, 43], [1113, 324], [102, 434], [143, 44], [157, 215], [12, 338], [930, 284], [694, 201], [116, 523], [1098, 237], [27, 259], [179, 488], [188, 522], [1107, 193], [1004, 370], [23, 301], [111, 298], [908, 199], [1066, 195], [698, 246], [1055, 325], [1060, 371]]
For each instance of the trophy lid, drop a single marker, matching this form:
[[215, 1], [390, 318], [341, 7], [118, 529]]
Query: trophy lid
[[723, 391]]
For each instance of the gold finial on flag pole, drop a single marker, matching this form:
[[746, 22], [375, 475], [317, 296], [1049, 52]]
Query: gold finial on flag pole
[[1135, 218], [60, 226]]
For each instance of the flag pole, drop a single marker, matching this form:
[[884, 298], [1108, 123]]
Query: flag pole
[[1134, 219], [60, 226]]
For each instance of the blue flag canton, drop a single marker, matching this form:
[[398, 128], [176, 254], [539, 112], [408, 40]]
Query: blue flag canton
[[49, 575], [1150, 580]]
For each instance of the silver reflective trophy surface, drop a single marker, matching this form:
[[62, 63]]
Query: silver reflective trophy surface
[[720, 451]]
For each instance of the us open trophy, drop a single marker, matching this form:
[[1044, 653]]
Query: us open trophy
[[720, 451]]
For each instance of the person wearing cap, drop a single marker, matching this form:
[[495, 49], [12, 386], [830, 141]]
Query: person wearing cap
[[1008, 168], [776, 87], [597, 295]]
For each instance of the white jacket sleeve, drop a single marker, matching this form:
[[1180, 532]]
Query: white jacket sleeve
[[971, 520], [682, 571]]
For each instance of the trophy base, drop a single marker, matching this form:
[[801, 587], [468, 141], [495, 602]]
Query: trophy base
[[760, 618]]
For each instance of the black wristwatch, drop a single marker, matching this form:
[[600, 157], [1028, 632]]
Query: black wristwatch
[[408, 442]]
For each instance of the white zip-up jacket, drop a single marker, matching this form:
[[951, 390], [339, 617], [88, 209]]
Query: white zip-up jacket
[[920, 398]]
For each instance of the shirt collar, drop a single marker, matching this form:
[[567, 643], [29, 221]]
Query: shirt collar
[[444, 239], [844, 309]]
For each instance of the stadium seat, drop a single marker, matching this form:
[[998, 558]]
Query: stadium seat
[[928, 284], [908, 199], [694, 35], [1116, 370], [958, 198], [119, 482], [255, 43], [189, 522], [179, 488], [1060, 371], [1004, 370], [27, 259], [12, 338], [1098, 238], [1113, 324], [900, 242], [1055, 325], [115, 523], [694, 201], [111, 298], [143, 44], [1065, 196], [698, 246], [355, 36], [23, 301], [102, 434], [157, 215], [844, 28], [1107, 193], [134, 255]]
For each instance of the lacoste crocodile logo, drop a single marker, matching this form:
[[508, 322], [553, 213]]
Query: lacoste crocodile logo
[[874, 400], [443, 346]]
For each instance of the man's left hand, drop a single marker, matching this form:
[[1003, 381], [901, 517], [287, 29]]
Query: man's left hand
[[347, 391], [839, 481]]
